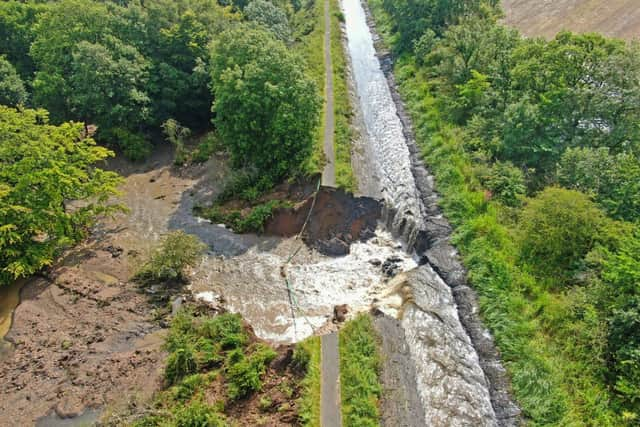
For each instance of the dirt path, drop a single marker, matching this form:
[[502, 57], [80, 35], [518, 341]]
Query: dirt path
[[329, 173], [330, 404]]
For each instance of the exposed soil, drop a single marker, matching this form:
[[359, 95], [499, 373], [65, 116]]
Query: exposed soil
[[83, 336], [615, 18], [337, 220]]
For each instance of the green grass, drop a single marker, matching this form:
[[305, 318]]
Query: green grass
[[309, 402], [359, 373], [556, 379], [342, 109], [308, 27]]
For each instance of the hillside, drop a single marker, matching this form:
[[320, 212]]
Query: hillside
[[615, 18]]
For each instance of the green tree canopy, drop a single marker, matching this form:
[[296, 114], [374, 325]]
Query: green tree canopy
[[271, 17], [44, 169], [12, 90], [266, 109]]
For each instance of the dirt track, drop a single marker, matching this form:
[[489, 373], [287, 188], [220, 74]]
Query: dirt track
[[615, 18]]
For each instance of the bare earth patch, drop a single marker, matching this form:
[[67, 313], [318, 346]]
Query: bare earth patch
[[614, 18]]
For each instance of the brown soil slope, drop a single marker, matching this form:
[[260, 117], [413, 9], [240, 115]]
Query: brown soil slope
[[615, 18]]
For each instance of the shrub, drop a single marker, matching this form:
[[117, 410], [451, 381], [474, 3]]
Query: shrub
[[198, 415], [506, 183], [168, 262], [180, 363], [244, 373], [134, 146], [177, 134], [558, 228], [225, 330]]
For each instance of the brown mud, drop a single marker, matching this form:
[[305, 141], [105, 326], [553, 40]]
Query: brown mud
[[83, 336]]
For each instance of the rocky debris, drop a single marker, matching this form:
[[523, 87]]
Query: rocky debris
[[391, 266], [115, 251], [375, 262], [340, 313]]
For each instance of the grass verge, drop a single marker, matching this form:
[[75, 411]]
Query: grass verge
[[342, 109], [308, 27], [359, 373], [309, 402]]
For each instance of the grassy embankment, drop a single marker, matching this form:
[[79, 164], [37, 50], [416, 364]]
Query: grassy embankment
[[343, 110], [553, 380], [308, 26], [359, 373], [309, 403]]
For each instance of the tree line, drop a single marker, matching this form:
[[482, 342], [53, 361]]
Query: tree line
[[122, 73], [543, 145]]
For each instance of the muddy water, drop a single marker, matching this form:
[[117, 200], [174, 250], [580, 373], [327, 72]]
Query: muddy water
[[9, 299], [451, 381]]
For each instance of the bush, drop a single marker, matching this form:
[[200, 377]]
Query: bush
[[133, 146], [558, 228], [225, 330], [244, 373], [506, 183], [177, 251], [198, 415], [180, 363]]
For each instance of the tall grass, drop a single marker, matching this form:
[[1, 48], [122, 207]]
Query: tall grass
[[359, 373], [342, 109], [309, 402]]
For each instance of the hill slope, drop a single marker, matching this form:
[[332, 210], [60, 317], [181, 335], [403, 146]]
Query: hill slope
[[617, 18]]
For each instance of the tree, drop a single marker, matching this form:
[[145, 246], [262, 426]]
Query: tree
[[266, 109], [558, 228], [44, 169], [107, 84], [614, 180], [12, 90], [271, 17]]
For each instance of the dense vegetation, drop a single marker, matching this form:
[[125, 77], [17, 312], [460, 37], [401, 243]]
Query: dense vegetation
[[536, 152], [132, 73], [359, 373]]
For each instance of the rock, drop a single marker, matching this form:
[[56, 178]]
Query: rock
[[375, 262], [340, 313], [115, 251], [391, 266], [281, 362]]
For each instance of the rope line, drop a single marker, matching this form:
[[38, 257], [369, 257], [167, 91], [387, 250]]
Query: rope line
[[293, 301]]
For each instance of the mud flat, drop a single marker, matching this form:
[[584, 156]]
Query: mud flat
[[83, 336]]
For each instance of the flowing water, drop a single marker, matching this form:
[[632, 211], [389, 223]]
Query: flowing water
[[450, 375]]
